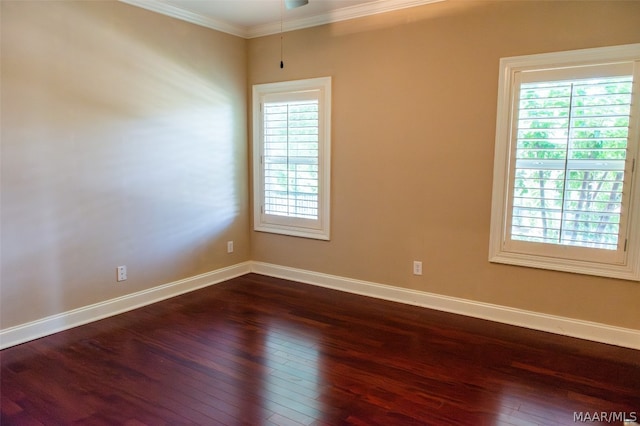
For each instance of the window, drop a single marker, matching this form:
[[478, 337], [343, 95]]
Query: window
[[291, 157], [566, 193]]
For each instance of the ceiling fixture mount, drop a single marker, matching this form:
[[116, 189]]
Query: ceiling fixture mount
[[292, 4]]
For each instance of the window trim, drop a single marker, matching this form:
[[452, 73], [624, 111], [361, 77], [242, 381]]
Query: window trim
[[306, 228], [499, 249]]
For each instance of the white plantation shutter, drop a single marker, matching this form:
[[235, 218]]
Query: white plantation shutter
[[570, 161], [292, 157], [566, 192]]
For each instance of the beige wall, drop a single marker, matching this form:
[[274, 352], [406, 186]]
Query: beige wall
[[414, 111], [123, 143]]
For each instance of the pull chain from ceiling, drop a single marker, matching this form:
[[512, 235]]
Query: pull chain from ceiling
[[281, 33]]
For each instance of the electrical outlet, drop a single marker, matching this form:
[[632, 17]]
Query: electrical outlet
[[121, 273], [229, 246], [417, 267]]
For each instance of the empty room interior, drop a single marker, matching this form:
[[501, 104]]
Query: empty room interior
[[157, 267]]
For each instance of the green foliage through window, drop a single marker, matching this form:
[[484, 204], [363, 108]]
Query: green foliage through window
[[291, 159], [570, 161]]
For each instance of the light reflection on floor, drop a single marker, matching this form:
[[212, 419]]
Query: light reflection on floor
[[292, 359], [520, 404]]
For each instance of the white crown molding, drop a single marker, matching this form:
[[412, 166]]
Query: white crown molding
[[188, 16], [343, 14]]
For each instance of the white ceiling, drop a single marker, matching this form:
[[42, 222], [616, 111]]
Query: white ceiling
[[255, 18]]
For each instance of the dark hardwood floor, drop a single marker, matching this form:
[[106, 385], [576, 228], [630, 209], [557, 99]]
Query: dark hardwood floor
[[263, 351]]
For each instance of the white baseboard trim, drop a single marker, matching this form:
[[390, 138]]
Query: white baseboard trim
[[86, 314], [603, 333]]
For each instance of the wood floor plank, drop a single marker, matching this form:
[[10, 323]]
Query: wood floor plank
[[259, 350]]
